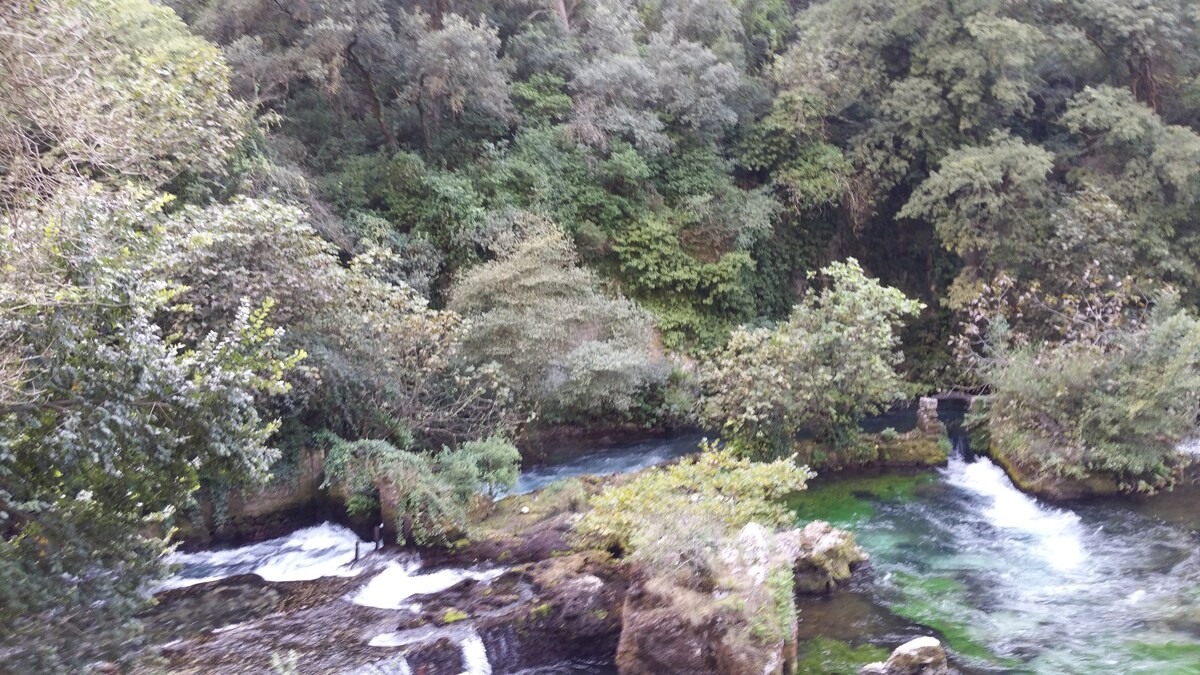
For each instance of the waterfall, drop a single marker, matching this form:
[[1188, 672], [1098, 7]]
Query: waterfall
[[1056, 533], [474, 655]]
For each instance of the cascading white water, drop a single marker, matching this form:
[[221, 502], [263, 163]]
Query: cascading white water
[[325, 550], [1056, 534], [392, 588], [474, 655], [1014, 584]]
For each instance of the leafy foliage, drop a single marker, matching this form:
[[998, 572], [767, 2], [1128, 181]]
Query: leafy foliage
[[715, 492], [566, 347], [380, 359], [105, 421], [118, 89], [1113, 392], [357, 167], [432, 494], [830, 364]]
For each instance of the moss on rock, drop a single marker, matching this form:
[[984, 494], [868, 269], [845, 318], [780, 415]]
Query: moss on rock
[[822, 656]]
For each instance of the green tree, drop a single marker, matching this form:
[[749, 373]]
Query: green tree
[[568, 348], [988, 205], [428, 496], [116, 89], [106, 422], [381, 359], [830, 364]]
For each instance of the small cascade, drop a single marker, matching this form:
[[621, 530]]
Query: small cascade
[[474, 655], [325, 550], [1056, 534], [1190, 446], [398, 582], [503, 646], [394, 665]]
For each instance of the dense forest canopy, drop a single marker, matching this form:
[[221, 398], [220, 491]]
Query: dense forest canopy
[[410, 231]]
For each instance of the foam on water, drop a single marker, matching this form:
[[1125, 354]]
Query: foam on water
[[393, 639], [325, 550], [1056, 533], [1189, 446], [398, 582], [474, 656]]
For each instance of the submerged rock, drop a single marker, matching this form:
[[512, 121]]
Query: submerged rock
[[922, 656]]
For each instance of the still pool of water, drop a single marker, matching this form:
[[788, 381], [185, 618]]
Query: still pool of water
[[1009, 583]]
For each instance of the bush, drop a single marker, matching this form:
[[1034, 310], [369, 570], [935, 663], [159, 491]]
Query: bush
[[434, 493], [108, 422], [1118, 402], [562, 496], [674, 518], [567, 348], [379, 356], [830, 364]]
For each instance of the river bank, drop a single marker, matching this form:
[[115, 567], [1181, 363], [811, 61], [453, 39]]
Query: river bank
[[1008, 583]]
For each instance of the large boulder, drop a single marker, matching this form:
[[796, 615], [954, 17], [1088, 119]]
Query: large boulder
[[822, 556], [922, 656], [658, 637], [747, 624]]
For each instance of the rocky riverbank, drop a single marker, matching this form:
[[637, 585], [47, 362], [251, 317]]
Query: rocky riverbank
[[542, 597], [536, 600]]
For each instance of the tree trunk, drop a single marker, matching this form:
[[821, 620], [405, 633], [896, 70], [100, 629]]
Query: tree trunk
[[560, 7], [372, 97]]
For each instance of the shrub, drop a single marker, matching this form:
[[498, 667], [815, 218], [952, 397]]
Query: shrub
[[565, 495], [567, 348], [1119, 401], [434, 493], [674, 518], [830, 364]]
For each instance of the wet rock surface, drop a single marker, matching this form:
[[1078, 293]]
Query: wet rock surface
[[566, 607], [746, 628], [513, 592], [922, 656]]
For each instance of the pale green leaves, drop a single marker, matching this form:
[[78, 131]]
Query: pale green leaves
[[832, 362]]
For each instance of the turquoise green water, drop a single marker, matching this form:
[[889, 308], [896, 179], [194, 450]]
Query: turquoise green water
[[1008, 583]]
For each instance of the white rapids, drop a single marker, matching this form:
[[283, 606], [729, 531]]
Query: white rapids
[[325, 550], [398, 582], [1056, 534]]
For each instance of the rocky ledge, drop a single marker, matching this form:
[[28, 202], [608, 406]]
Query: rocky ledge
[[542, 602], [748, 625]]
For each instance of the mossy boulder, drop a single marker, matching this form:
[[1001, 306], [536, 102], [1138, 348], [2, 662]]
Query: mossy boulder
[[748, 622], [823, 557], [1040, 481]]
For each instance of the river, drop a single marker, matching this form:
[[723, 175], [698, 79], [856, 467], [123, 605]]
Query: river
[[1010, 584]]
